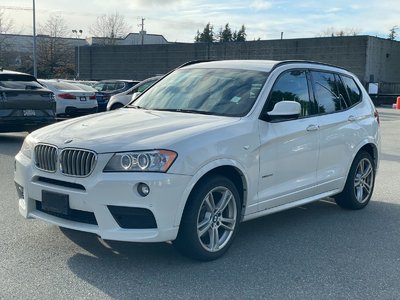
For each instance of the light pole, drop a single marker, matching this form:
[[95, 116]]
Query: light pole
[[34, 41], [78, 34]]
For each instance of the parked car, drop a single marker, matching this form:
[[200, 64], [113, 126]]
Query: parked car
[[107, 88], [85, 87], [212, 144], [25, 105], [71, 99], [122, 99]]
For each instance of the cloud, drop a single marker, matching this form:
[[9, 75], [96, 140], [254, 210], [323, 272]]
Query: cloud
[[261, 5]]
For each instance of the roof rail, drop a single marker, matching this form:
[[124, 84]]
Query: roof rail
[[192, 62], [284, 62]]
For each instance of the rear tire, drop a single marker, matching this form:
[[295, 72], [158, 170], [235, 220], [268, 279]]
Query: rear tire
[[210, 220], [359, 184]]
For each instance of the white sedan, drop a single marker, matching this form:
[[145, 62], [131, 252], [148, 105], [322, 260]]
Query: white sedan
[[71, 99]]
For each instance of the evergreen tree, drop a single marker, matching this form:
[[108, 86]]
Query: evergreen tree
[[241, 34], [225, 34], [207, 36], [393, 33]]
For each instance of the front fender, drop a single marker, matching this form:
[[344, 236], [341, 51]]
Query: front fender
[[204, 170]]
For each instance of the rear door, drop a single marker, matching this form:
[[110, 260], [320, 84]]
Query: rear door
[[339, 133]]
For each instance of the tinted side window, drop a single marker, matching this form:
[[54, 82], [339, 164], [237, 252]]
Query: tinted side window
[[292, 86], [326, 92], [119, 85], [344, 98], [353, 91]]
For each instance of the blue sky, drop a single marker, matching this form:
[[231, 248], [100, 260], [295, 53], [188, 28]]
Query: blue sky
[[179, 20]]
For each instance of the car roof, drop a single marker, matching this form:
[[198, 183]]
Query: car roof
[[2, 71], [118, 80]]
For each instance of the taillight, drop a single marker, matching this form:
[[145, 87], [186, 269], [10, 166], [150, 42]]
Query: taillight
[[67, 96], [376, 115], [92, 97]]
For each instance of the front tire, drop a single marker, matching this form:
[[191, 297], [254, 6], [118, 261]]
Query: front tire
[[116, 106], [210, 220], [359, 184]]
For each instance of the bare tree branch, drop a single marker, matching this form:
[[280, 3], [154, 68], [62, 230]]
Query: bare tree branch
[[110, 27], [55, 54], [6, 25]]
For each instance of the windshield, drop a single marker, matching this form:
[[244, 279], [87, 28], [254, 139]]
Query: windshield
[[225, 92]]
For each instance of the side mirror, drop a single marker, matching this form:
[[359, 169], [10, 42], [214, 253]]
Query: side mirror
[[284, 111], [135, 95]]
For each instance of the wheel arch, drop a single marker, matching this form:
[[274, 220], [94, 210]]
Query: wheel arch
[[372, 150], [228, 169]]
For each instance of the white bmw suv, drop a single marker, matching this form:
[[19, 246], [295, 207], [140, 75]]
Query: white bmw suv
[[207, 147]]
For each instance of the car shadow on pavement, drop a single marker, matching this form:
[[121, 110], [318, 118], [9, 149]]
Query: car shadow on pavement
[[13, 141], [315, 245]]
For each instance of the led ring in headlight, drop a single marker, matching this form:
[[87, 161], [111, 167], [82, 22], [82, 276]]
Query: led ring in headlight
[[143, 161], [126, 161]]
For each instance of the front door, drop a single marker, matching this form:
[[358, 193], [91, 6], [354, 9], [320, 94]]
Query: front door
[[289, 149]]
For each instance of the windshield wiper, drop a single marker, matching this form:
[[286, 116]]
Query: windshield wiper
[[136, 106], [190, 111]]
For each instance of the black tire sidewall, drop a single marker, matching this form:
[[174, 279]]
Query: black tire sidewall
[[347, 198], [187, 241]]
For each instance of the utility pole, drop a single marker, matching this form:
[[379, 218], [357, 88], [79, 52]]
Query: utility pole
[[142, 32], [34, 41]]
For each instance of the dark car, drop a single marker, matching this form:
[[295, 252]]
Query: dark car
[[107, 88], [25, 104]]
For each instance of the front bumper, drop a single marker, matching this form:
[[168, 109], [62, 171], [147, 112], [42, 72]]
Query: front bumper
[[96, 196]]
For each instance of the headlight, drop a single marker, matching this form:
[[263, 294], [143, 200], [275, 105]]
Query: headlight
[[27, 146], [141, 161]]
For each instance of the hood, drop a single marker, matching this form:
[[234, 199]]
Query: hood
[[129, 129]]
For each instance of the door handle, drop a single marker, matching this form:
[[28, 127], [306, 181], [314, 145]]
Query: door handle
[[312, 127], [352, 118]]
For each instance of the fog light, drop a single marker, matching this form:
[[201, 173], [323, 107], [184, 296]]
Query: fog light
[[143, 189], [22, 204], [20, 191]]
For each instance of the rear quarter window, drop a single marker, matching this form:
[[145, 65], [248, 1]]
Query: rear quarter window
[[353, 91]]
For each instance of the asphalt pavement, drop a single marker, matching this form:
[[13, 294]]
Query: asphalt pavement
[[318, 251]]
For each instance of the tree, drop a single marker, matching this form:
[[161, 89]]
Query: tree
[[393, 33], [6, 25], [225, 35], [207, 36], [55, 55], [332, 32], [241, 34], [111, 27]]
